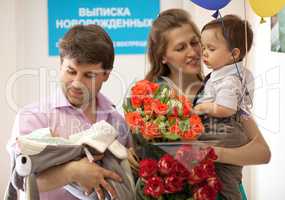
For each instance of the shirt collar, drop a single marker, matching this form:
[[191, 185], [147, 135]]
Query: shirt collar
[[226, 71], [104, 107], [59, 100], [103, 102]]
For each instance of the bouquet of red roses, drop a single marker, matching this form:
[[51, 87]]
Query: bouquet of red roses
[[188, 174], [164, 130]]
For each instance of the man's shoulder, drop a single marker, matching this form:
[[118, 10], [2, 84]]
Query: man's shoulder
[[34, 107], [107, 105], [40, 107], [116, 115]]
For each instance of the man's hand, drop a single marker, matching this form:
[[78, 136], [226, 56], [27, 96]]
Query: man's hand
[[91, 176]]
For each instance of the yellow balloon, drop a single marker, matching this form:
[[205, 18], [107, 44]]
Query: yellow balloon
[[265, 8]]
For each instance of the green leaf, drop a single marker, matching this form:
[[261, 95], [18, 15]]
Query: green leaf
[[160, 121], [159, 92], [160, 198], [184, 125], [171, 136], [127, 106]]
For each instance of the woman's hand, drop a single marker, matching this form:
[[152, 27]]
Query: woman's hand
[[91, 176]]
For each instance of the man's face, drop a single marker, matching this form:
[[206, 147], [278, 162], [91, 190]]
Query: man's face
[[81, 82]]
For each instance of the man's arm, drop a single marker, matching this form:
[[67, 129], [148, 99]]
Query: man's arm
[[89, 176], [55, 177]]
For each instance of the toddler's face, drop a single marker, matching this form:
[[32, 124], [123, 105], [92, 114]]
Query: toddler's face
[[216, 53]]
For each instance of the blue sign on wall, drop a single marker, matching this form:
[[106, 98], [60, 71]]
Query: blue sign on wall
[[127, 21]]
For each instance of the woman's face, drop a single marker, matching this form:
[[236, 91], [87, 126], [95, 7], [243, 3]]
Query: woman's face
[[183, 52]]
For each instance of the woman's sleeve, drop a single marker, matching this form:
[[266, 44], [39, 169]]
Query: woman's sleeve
[[253, 153]]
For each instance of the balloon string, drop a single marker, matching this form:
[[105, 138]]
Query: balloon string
[[246, 54], [262, 20], [242, 79]]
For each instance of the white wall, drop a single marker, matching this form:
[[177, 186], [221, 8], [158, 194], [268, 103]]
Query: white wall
[[8, 58], [24, 49], [270, 93]]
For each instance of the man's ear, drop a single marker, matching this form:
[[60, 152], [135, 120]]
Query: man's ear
[[236, 53], [106, 75], [164, 60]]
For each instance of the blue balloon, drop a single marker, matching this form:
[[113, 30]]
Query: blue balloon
[[211, 4]]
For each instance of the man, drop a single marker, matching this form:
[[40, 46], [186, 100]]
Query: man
[[87, 57]]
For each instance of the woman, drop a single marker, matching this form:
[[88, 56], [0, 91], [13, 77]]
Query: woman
[[175, 56]]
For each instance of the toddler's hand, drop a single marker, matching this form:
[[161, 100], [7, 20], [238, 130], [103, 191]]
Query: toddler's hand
[[198, 109]]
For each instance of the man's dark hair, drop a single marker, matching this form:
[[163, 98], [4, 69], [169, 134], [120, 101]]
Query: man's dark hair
[[88, 44]]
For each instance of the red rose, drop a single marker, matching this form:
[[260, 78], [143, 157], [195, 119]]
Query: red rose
[[147, 168], [211, 155], [136, 101], [139, 90], [147, 100], [162, 109], [154, 187], [215, 183], [186, 109], [197, 128], [154, 87], [202, 171], [194, 119], [150, 130], [144, 88], [134, 120], [205, 193], [165, 164], [159, 108], [147, 104], [209, 167], [179, 170], [173, 184], [148, 109], [196, 175]]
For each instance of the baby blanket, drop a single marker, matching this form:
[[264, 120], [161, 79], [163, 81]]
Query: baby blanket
[[39, 151]]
